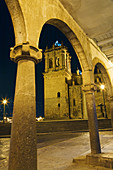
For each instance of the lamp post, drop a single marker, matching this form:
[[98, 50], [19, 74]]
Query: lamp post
[[103, 87], [4, 102]]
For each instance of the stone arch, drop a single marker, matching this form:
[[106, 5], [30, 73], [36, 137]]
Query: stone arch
[[81, 46], [17, 20], [66, 30], [106, 78]]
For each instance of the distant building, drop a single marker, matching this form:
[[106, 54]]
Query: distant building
[[63, 95]]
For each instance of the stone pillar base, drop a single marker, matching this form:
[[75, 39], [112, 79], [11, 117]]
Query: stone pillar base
[[104, 160]]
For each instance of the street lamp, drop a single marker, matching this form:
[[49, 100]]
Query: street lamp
[[103, 87], [4, 102]]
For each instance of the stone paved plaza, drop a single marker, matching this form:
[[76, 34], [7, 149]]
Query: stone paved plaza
[[56, 150]]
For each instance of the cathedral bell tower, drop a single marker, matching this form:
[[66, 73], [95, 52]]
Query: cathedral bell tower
[[56, 75]]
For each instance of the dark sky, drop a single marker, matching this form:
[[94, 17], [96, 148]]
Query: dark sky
[[8, 68]]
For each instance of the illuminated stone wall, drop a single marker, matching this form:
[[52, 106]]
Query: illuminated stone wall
[[55, 95]]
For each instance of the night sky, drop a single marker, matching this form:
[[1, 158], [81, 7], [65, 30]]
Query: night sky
[[8, 68]]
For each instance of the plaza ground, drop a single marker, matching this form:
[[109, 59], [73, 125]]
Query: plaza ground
[[56, 150]]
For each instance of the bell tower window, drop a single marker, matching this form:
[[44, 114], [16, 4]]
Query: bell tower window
[[57, 62], [58, 94], [58, 104], [74, 103]]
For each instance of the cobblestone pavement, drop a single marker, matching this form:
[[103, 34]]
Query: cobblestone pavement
[[57, 150]]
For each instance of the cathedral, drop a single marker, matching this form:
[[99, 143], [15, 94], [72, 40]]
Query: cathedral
[[63, 94]]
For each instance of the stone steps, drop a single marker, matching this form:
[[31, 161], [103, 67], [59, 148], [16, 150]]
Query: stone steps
[[102, 161]]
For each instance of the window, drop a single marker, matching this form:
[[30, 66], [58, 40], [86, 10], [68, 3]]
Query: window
[[74, 104], [57, 62], [58, 104], [58, 94], [95, 80], [98, 90], [50, 63], [100, 80]]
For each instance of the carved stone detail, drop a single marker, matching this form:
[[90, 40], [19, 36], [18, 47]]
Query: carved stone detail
[[89, 88], [25, 51]]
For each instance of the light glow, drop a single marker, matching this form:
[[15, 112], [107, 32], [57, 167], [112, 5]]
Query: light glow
[[102, 86], [4, 101], [57, 43], [40, 119]]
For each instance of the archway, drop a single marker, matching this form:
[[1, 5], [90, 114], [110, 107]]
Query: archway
[[103, 96], [84, 59], [88, 80], [48, 37]]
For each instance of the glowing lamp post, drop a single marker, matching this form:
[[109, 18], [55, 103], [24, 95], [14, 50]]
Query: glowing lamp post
[[103, 87], [4, 102]]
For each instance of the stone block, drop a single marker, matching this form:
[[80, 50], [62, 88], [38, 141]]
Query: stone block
[[102, 159], [80, 160]]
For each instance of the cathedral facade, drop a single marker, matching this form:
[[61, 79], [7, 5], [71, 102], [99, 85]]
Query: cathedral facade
[[63, 94]]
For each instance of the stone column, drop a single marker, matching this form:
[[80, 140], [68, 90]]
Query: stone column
[[23, 145], [92, 119]]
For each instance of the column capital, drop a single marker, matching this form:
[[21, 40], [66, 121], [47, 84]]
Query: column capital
[[89, 88], [25, 51]]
